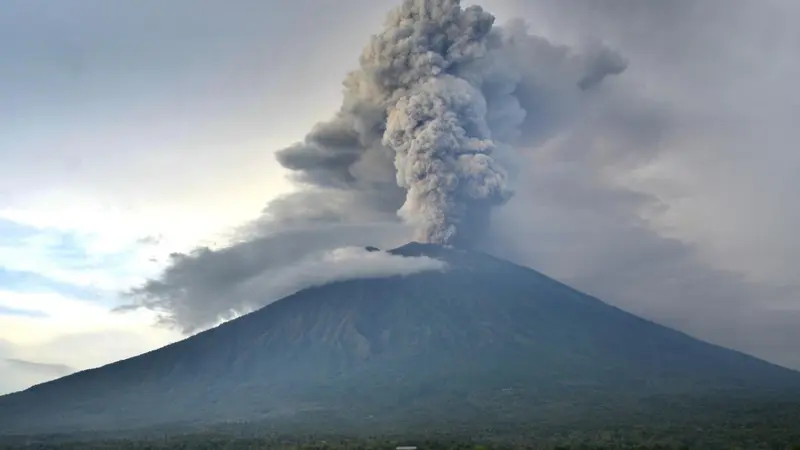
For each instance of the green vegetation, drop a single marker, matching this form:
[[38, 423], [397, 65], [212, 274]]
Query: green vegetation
[[667, 437], [746, 425]]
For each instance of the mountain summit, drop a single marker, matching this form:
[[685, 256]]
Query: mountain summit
[[483, 338]]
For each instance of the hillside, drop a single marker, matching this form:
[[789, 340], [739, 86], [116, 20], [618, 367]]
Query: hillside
[[483, 339]]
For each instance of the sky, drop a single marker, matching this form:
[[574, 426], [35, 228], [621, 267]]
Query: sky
[[132, 131]]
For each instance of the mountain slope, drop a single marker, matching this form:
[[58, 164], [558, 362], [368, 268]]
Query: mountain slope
[[483, 338]]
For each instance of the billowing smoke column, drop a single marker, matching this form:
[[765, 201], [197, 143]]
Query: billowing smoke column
[[437, 118], [443, 146], [434, 125], [436, 92]]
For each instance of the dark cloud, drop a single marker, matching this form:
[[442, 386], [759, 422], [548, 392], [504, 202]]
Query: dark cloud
[[488, 89], [627, 189], [206, 286], [202, 287], [440, 95]]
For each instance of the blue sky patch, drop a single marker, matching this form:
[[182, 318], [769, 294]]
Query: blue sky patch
[[11, 231], [18, 281], [7, 311], [33, 254]]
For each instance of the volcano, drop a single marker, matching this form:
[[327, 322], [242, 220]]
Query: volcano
[[482, 340]]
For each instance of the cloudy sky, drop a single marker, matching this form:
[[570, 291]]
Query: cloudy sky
[[132, 130]]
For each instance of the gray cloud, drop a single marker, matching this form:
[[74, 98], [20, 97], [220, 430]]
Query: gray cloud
[[251, 282], [600, 64], [593, 237], [658, 197], [662, 190], [438, 98], [527, 86], [200, 288]]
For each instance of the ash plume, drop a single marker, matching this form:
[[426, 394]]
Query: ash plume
[[567, 130], [432, 131], [436, 94]]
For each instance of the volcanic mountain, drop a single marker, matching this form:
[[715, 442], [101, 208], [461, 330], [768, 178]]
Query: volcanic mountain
[[483, 340]]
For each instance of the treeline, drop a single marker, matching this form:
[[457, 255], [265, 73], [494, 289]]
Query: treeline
[[607, 439], [772, 426], [254, 444]]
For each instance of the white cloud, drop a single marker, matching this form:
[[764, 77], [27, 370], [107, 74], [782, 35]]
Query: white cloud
[[340, 264], [83, 239], [107, 226], [66, 258]]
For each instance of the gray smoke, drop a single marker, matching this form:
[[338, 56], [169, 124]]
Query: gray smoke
[[438, 94], [575, 147], [431, 128]]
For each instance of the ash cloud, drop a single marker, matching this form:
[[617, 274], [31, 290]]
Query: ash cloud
[[423, 147], [438, 102], [573, 137], [657, 196], [246, 290], [600, 64]]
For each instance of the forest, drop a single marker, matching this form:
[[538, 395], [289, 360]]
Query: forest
[[731, 436]]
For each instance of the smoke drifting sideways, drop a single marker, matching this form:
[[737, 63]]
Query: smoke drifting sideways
[[438, 95], [427, 141]]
